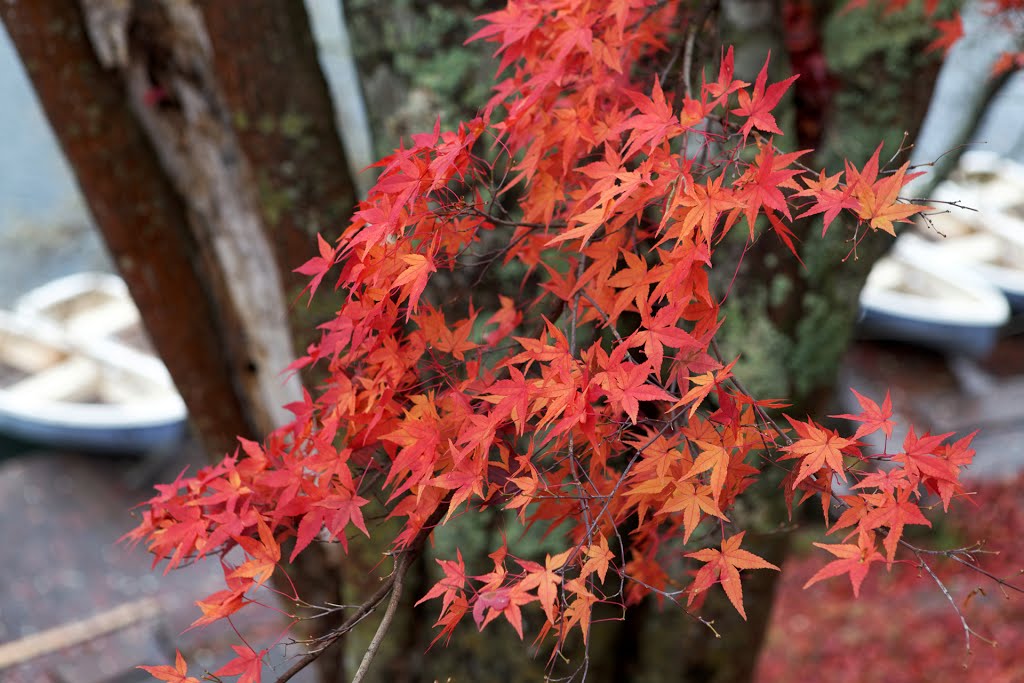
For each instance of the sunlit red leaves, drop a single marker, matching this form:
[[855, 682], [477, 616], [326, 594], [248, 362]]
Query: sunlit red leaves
[[413, 279], [872, 417], [318, 266], [627, 384], [264, 554], [762, 183], [722, 566], [452, 591], [655, 124], [585, 385], [830, 198], [725, 84], [872, 200], [893, 511], [936, 464]]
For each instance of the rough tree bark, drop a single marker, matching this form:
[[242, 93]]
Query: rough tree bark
[[204, 144], [140, 212]]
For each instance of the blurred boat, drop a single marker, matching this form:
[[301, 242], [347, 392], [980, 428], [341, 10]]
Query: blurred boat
[[989, 242], [995, 183], [87, 306], [919, 294], [76, 371]]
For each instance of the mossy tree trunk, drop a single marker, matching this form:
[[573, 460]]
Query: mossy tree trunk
[[791, 324]]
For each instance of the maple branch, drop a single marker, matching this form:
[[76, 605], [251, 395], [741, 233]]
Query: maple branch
[[955, 555], [401, 567], [393, 585], [515, 224], [1002, 582], [945, 591], [672, 596], [622, 478]]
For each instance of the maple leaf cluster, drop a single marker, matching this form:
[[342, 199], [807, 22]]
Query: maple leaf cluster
[[588, 395]]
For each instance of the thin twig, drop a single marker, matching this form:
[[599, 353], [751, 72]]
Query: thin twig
[[691, 37], [393, 582], [945, 591], [364, 610]]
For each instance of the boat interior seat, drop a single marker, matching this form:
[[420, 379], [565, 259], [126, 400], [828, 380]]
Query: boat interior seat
[[74, 379]]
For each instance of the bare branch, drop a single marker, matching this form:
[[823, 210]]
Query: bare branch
[[401, 567]]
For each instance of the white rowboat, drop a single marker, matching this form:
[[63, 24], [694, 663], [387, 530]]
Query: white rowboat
[[67, 380], [919, 294]]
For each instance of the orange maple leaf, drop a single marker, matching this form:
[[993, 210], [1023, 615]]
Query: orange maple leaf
[[599, 557], [264, 555], [722, 566], [878, 201], [818, 447], [172, 674], [692, 501], [413, 279]]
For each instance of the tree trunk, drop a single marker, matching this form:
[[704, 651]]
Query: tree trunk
[[278, 101], [204, 144], [790, 324], [144, 220]]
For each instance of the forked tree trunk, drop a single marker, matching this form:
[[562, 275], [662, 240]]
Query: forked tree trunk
[[204, 143]]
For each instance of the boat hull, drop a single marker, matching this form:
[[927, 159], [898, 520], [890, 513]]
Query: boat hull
[[921, 295], [62, 387]]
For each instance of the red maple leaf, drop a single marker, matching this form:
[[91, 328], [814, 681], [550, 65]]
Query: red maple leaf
[[757, 106], [893, 511], [247, 665], [872, 417], [318, 266], [854, 560]]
